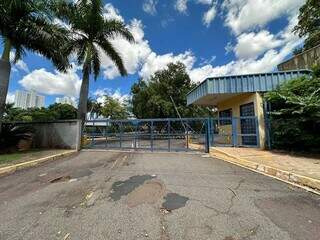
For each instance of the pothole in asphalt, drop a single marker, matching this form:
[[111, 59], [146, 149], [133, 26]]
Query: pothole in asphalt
[[150, 192], [60, 179], [174, 201], [123, 188]]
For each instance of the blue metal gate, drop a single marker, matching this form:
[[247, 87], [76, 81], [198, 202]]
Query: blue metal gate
[[171, 134]]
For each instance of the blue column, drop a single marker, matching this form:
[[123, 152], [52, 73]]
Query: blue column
[[235, 131]]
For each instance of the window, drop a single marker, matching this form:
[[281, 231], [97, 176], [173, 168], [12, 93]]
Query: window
[[226, 116]]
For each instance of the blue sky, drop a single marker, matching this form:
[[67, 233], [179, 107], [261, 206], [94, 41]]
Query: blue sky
[[210, 37]]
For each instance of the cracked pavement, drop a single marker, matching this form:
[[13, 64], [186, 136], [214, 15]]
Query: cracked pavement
[[120, 195]]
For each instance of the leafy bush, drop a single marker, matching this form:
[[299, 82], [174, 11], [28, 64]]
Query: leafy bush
[[12, 135], [295, 114]]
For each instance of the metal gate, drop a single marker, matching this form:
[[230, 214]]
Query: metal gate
[[171, 134]]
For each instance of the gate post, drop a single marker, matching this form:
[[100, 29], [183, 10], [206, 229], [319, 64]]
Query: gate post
[[235, 131], [207, 137]]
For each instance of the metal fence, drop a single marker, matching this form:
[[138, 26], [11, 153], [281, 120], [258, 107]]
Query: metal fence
[[171, 134]]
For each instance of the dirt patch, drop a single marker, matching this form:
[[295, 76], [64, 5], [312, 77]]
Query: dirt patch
[[174, 201], [150, 192], [123, 188]]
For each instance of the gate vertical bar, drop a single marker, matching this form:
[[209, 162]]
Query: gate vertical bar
[[169, 135], [234, 135], [267, 124], [209, 130], [257, 131], [121, 134], [107, 123], [135, 134], [187, 133], [207, 140], [92, 137], [151, 135]]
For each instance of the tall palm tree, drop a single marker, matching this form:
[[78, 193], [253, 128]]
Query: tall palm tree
[[91, 33], [27, 25]]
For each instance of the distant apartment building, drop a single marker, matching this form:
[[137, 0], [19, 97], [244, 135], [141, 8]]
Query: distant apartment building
[[66, 100], [28, 99]]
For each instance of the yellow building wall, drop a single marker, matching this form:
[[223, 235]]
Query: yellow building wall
[[234, 104]]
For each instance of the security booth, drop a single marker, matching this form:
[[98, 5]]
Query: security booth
[[237, 100]]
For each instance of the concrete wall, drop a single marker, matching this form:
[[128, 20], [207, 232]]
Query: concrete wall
[[60, 134], [234, 104], [304, 60]]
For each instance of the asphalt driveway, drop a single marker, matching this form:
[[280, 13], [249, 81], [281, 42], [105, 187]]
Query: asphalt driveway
[[119, 195]]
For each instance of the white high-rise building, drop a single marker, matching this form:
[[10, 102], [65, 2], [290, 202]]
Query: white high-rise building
[[28, 99], [66, 100]]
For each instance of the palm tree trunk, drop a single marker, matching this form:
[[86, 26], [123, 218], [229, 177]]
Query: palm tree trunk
[[83, 100], [5, 69]]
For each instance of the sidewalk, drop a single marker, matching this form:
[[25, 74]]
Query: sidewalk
[[297, 169], [26, 160]]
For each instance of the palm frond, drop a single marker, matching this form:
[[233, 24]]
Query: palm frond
[[114, 28], [95, 62], [109, 50]]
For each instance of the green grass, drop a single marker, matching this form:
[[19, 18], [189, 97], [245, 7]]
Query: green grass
[[19, 156], [4, 158]]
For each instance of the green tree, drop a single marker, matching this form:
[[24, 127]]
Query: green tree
[[63, 111], [309, 23], [114, 109], [90, 33], [152, 98], [94, 107], [54, 112], [295, 115], [27, 25]]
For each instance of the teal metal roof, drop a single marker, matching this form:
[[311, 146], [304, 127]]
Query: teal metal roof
[[261, 82]]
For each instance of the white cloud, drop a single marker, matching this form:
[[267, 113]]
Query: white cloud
[[156, 62], [251, 45], [256, 52], [209, 16], [133, 54], [22, 66], [266, 63], [149, 6], [110, 13], [19, 65], [181, 6], [10, 97], [56, 83], [116, 94], [140, 58], [242, 15]]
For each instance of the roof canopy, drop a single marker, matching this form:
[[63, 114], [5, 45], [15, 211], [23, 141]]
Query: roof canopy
[[217, 89]]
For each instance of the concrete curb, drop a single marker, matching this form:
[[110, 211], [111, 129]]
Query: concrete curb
[[11, 169], [289, 177]]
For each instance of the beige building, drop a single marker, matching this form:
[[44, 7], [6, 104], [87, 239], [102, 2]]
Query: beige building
[[238, 102]]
